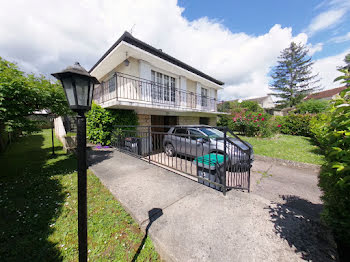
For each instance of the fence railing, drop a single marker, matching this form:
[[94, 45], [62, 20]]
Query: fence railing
[[212, 156], [124, 87]]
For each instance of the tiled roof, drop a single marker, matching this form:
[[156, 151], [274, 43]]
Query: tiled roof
[[128, 38], [326, 93]]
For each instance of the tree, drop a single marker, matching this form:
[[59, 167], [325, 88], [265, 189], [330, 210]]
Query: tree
[[21, 95], [292, 77]]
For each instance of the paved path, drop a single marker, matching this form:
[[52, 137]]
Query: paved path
[[191, 222]]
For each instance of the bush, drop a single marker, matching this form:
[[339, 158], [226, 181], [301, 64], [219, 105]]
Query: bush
[[101, 123], [312, 106], [295, 124], [250, 124], [320, 127], [333, 133]]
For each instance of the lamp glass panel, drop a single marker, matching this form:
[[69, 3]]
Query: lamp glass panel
[[68, 87], [82, 86]]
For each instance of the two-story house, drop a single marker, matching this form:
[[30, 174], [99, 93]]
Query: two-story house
[[161, 89]]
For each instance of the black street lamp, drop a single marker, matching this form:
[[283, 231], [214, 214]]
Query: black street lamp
[[78, 86]]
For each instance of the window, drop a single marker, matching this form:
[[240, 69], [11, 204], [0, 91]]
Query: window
[[194, 134], [204, 95], [166, 88], [181, 132], [172, 88], [163, 87], [111, 84]]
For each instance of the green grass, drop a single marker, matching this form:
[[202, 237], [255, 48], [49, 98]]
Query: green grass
[[38, 209], [70, 134], [295, 148]]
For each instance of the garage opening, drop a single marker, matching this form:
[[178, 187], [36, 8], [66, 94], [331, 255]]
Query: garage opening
[[204, 120]]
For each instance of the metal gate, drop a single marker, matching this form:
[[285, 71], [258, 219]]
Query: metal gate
[[213, 156]]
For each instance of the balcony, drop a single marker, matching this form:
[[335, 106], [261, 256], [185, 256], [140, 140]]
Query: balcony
[[129, 91]]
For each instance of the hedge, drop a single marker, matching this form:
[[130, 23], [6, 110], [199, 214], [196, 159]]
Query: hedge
[[332, 131], [101, 123]]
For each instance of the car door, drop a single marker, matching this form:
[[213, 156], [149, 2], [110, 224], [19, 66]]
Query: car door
[[199, 143], [182, 142]]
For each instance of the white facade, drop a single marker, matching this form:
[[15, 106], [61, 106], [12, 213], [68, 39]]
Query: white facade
[[150, 82]]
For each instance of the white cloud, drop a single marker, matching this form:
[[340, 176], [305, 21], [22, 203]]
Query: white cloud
[[315, 48], [327, 69], [341, 39], [53, 34], [325, 20]]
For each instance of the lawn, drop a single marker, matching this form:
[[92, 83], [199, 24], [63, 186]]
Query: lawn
[[295, 148], [38, 209]]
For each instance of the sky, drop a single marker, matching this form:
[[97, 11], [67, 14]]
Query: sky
[[237, 42]]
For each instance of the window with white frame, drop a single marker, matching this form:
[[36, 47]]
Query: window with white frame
[[163, 87], [111, 84], [204, 96]]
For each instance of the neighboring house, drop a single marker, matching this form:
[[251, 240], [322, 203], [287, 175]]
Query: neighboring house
[[265, 102], [159, 88], [326, 95]]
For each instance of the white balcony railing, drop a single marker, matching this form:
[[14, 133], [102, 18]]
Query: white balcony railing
[[127, 88]]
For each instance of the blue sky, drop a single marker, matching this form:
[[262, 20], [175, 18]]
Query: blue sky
[[257, 17], [237, 42]]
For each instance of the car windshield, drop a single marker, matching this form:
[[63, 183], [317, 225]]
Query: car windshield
[[212, 132]]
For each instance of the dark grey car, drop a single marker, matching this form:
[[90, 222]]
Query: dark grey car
[[194, 141]]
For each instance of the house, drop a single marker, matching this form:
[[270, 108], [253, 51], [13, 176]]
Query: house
[[326, 95], [161, 89], [265, 102]]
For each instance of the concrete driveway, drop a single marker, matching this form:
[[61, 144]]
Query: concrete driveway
[[190, 222]]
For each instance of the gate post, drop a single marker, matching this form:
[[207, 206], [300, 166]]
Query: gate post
[[149, 144], [224, 175]]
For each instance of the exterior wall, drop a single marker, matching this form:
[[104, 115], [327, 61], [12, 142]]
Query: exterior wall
[[267, 103], [191, 86], [132, 69], [212, 121], [188, 120], [144, 120]]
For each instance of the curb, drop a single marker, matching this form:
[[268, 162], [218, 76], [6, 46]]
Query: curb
[[288, 163]]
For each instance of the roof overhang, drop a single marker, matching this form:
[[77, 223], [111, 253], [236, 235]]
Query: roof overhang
[[117, 54]]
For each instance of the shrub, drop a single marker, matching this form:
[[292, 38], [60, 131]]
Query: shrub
[[101, 123], [334, 179], [252, 124], [312, 106], [320, 127], [295, 124]]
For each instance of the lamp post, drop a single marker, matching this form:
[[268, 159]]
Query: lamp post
[[78, 86]]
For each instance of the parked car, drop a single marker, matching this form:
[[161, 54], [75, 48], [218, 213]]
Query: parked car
[[195, 141]]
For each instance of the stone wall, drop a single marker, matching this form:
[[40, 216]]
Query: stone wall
[[144, 120], [212, 121], [188, 120]]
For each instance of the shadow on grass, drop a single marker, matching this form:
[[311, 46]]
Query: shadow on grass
[[297, 221], [31, 199], [153, 215], [316, 149]]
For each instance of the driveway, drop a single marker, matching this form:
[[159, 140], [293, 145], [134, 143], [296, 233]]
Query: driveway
[[190, 222]]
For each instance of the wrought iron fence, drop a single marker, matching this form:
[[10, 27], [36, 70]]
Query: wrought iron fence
[[212, 156], [124, 87]]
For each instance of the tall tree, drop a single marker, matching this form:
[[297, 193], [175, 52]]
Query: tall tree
[[293, 77]]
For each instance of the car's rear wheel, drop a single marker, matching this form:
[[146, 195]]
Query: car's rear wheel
[[169, 150]]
